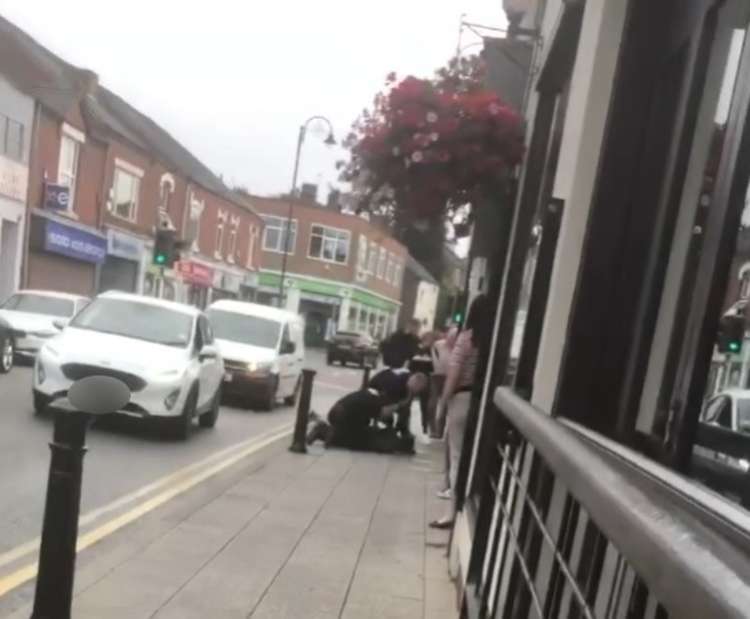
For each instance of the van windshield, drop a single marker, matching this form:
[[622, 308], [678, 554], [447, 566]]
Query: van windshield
[[244, 329]]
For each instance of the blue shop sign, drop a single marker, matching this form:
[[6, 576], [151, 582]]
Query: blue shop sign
[[124, 245], [74, 243]]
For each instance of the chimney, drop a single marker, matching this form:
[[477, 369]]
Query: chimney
[[334, 200], [88, 80], [309, 192]]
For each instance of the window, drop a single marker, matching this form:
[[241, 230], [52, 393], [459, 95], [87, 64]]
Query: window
[[125, 191], [390, 274], [362, 258], [381, 263], [193, 228], [351, 323], [397, 274], [68, 172], [372, 261], [329, 244], [275, 234], [745, 283], [252, 240], [11, 138], [219, 240], [166, 189], [233, 228]]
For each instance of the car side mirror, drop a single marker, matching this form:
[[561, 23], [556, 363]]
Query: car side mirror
[[59, 323], [288, 348], [208, 352]]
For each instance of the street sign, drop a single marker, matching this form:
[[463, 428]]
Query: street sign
[[56, 197]]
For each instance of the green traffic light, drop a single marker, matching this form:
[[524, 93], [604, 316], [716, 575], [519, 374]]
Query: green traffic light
[[734, 346], [160, 259]]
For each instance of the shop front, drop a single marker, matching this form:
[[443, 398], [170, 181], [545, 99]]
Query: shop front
[[64, 256], [13, 185], [249, 287], [121, 268], [225, 285], [198, 280]]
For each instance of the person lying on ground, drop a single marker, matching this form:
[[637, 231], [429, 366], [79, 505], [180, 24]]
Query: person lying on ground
[[354, 422]]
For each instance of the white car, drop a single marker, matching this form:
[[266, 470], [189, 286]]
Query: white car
[[163, 351], [263, 349], [33, 314]]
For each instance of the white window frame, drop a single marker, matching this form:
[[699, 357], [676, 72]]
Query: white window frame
[[69, 178], [221, 219], [362, 249], [251, 242], [124, 167], [372, 259], [382, 259], [397, 274], [293, 229], [194, 218], [234, 226], [5, 124], [390, 270], [166, 180], [323, 239]]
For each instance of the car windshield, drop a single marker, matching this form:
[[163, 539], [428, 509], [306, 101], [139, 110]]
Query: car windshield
[[40, 304], [743, 415], [141, 321], [244, 329]]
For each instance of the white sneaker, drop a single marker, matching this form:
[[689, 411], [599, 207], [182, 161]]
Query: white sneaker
[[446, 494]]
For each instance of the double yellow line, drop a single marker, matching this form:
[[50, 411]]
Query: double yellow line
[[167, 488]]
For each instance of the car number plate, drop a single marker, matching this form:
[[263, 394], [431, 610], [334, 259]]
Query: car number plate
[[228, 377]]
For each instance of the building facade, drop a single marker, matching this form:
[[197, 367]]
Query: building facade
[[343, 272], [421, 292], [102, 179], [627, 247], [16, 126]]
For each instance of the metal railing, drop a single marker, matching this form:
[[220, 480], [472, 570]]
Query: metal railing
[[567, 526]]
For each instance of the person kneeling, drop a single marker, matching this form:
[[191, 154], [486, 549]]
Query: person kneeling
[[354, 422]]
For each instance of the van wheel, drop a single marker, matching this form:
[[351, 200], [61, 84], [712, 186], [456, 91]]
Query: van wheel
[[269, 403], [292, 399], [7, 351]]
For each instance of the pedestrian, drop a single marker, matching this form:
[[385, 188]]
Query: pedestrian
[[353, 420], [401, 345], [422, 363], [441, 352], [459, 383]]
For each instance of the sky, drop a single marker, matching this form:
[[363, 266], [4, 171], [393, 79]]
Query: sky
[[234, 79]]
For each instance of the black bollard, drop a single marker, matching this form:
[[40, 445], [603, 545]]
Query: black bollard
[[366, 377], [91, 396], [299, 443], [57, 555]]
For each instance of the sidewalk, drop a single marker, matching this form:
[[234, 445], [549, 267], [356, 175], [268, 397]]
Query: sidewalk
[[327, 535]]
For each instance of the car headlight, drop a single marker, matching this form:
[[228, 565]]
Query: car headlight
[[744, 464], [260, 366], [171, 399]]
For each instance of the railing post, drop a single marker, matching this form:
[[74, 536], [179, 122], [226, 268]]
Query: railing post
[[299, 444], [366, 377]]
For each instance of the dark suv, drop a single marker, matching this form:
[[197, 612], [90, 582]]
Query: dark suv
[[349, 347]]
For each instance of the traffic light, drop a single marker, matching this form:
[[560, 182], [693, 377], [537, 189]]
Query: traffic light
[[731, 334], [458, 317], [164, 247]]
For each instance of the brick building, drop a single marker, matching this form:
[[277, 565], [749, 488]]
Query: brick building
[[103, 177], [343, 272]]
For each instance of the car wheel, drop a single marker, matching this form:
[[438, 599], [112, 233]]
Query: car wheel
[[7, 351], [182, 425], [208, 419], [292, 399], [41, 403]]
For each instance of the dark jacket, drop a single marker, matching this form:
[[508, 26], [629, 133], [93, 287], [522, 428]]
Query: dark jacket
[[398, 348]]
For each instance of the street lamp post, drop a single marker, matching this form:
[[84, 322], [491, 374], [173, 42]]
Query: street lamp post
[[330, 141]]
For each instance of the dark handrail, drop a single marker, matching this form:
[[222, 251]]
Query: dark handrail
[[693, 571]]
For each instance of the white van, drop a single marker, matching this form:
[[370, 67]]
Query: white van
[[263, 350]]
